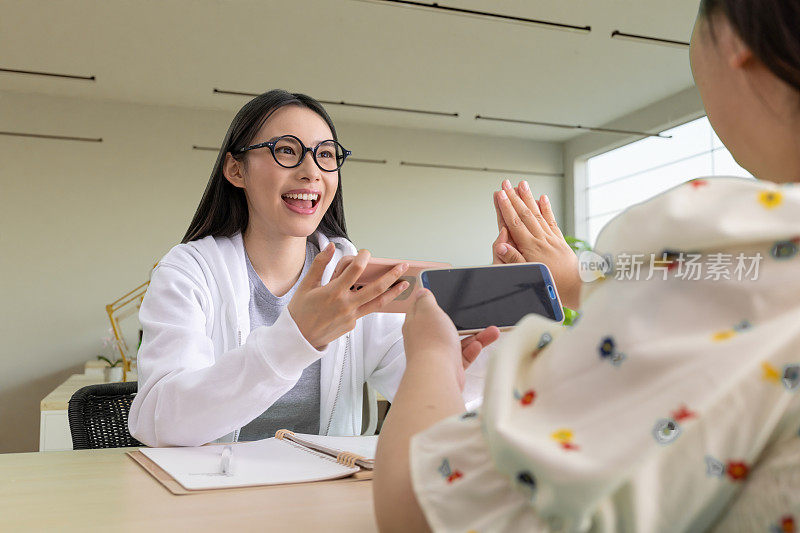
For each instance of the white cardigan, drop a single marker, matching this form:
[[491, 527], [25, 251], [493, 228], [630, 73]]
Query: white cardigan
[[204, 375]]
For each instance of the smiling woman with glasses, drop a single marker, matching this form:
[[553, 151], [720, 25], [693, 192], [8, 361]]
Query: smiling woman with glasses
[[249, 326]]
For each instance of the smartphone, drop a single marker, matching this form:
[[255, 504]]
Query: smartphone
[[377, 267], [497, 295]]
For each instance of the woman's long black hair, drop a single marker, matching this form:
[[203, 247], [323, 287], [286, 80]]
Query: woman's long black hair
[[223, 208], [770, 28]]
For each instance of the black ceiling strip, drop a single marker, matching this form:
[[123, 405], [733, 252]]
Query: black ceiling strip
[[359, 160], [647, 38], [572, 127], [48, 74], [350, 104], [624, 132], [530, 122], [474, 12], [55, 137], [205, 148], [482, 169], [388, 108], [234, 93]]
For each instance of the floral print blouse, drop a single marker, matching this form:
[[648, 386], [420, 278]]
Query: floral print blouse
[[672, 405]]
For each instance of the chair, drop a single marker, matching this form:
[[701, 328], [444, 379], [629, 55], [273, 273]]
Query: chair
[[374, 412], [98, 416], [369, 413]]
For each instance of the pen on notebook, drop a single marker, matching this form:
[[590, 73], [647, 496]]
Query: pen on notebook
[[225, 461]]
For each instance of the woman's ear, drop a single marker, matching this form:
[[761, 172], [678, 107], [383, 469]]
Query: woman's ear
[[739, 54], [742, 57], [232, 169]]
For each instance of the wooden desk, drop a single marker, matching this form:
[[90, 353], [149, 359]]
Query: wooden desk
[[87, 490]]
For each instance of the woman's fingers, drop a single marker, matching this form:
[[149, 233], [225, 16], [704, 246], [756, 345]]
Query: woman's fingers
[[488, 336], [470, 353], [484, 338], [525, 194], [518, 231], [516, 228], [466, 341], [471, 346], [507, 254], [382, 284], [351, 272], [530, 219], [376, 304], [424, 300], [549, 216], [500, 223], [502, 238], [315, 272], [346, 260]]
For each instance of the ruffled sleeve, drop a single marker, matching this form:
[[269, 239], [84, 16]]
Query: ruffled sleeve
[[458, 486]]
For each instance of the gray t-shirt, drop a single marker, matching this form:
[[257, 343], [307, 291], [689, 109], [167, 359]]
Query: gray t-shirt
[[298, 409]]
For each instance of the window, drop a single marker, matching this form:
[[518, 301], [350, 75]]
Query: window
[[638, 171]]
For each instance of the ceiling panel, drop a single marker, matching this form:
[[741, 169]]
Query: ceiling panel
[[175, 52]]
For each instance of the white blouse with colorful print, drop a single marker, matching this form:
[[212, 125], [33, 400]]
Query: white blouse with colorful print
[[672, 405]]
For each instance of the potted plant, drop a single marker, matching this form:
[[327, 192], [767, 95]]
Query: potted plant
[[578, 246], [112, 372]]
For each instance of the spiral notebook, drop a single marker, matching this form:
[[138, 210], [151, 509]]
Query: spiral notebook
[[286, 458]]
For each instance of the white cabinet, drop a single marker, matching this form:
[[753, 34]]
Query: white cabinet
[[54, 434]]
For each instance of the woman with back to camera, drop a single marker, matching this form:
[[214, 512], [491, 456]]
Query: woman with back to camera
[[674, 403], [250, 325]]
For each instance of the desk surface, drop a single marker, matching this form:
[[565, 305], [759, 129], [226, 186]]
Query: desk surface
[[86, 489]]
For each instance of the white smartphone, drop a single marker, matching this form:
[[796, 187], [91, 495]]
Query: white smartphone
[[498, 295]]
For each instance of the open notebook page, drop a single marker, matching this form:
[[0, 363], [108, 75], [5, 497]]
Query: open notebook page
[[262, 462]]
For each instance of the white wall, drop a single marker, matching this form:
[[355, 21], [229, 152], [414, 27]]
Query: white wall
[[435, 214], [82, 223]]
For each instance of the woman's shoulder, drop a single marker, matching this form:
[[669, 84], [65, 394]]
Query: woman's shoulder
[[705, 214], [202, 256]]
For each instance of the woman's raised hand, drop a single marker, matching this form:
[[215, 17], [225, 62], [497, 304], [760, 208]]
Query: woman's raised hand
[[431, 341], [529, 233], [324, 313]]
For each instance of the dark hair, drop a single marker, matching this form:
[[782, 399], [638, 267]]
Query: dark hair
[[223, 208], [770, 28]]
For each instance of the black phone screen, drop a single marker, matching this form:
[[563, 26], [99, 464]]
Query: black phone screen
[[476, 298]]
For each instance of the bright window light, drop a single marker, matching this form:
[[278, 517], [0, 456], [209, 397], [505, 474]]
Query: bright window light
[[638, 171]]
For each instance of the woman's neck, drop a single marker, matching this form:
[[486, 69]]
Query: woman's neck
[[781, 157], [277, 259]]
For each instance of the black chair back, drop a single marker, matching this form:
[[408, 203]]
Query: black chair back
[[98, 416]]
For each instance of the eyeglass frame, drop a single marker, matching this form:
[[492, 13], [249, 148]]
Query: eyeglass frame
[[305, 150]]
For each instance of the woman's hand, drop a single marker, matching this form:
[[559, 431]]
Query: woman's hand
[[430, 391], [502, 238], [431, 340], [529, 233], [324, 313]]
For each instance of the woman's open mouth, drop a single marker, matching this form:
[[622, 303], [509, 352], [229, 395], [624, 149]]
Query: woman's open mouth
[[302, 203]]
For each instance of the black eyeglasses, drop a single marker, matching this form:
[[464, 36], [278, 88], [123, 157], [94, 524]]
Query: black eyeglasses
[[289, 151]]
